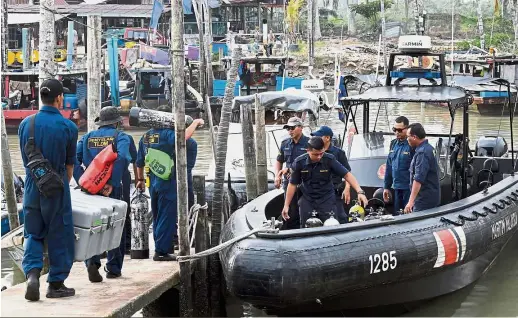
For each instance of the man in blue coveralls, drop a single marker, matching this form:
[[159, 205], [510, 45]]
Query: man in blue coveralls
[[313, 171], [396, 167], [92, 143], [163, 192], [49, 219], [342, 192], [424, 172], [289, 150]]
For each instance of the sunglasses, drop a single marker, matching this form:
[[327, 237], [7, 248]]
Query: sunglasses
[[394, 129], [291, 128]]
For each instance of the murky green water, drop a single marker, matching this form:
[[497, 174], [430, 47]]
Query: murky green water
[[494, 294]]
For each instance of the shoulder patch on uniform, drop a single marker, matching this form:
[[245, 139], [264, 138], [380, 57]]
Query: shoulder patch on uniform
[[99, 142], [301, 158], [152, 139]]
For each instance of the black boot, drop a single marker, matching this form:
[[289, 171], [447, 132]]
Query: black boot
[[59, 290], [32, 292], [164, 257], [93, 272], [110, 274]]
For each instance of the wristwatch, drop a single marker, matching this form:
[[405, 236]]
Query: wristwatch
[[361, 192]]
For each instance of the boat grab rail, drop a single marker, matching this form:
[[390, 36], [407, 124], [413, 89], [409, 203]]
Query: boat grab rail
[[450, 208], [270, 226]]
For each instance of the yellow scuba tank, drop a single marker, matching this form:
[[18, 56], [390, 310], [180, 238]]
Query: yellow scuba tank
[[146, 170], [356, 213]]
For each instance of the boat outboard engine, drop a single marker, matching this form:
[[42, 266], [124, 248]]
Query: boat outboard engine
[[490, 146], [331, 221], [314, 221], [141, 117], [139, 226]]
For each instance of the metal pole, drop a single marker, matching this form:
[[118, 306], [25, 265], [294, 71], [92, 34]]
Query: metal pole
[[178, 103], [47, 42], [208, 48], [311, 37], [383, 37], [247, 132], [7, 170], [202, 68], [260, 147], [93, 60], [70, 44], [465, 149], [26, 44]]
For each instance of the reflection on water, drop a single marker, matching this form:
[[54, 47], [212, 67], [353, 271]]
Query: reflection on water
[[493, 295]]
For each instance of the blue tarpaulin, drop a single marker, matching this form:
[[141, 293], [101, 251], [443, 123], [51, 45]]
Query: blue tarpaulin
[[154, 55], [158, 8]]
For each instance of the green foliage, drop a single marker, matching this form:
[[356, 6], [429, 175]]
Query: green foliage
[[500, 40], [370, 10]]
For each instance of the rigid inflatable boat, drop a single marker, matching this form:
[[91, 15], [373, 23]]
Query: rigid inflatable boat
[[385, 260]]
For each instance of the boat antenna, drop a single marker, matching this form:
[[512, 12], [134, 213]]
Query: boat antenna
[[452, 37]]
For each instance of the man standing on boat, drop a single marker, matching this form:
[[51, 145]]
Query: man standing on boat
[[397, 165], [158, 146], [290, 149], [48, 218], [424, 172], [92, 143], [342, 193], [313, 171]]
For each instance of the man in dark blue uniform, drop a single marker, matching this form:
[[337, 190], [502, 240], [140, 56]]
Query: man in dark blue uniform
[[163, 192], [49, 219], [289, 150], [92, 143], [314, 172], [342, 192], [424, 172], [396, 168]]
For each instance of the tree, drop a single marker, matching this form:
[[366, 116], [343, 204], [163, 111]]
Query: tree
[[292, 17], [371, 11]]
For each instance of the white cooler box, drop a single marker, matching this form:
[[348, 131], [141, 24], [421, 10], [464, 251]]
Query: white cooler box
[[98, 223]]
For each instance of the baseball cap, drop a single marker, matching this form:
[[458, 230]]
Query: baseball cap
[[52, 88], [323, 131], [293, 122]]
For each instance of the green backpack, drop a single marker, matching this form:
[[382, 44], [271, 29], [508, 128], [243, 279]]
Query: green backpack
[[159, 162]]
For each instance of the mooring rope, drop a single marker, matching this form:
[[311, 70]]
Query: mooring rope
[[267, 227]]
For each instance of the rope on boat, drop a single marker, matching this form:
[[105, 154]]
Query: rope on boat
[[268, 226]]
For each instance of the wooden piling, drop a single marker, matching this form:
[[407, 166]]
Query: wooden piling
[[216, 306], [207, 17], [94, 61], [247, 132], [260, 147], [211, 127], [7, 169], [202, 75], [201, 288], [178, 99], [5, 33], [26, 48], [47, 42]]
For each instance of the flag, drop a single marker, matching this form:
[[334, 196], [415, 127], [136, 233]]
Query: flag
[[497, 8], [158, 8], [187, 6]]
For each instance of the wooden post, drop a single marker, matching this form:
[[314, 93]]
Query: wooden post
[[383, 37], [202, 75], [7, 170], [247, 132], [5, 33], [211, 127], [47, 42], [201, 291], [26, 48], [208, 48], [311, 35], [217, 199], [260, 147], [178, 99], [94, 61], [70, 44]]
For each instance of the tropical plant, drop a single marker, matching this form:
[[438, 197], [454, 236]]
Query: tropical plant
[[293, 16], [370, 11]]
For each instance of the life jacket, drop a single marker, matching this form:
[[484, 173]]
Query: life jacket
[[100, 169]]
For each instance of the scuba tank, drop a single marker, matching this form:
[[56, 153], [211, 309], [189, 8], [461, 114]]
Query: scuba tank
[[331, 221], [313, 221], [141, 117], [139, 226], [356, 213]]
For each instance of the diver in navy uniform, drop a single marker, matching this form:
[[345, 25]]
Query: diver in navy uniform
[[49, 219], [313, 172], [92, 143], [342, 192], [289, 150]]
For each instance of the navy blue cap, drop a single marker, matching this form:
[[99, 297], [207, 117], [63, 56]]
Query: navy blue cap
[[323, 131]]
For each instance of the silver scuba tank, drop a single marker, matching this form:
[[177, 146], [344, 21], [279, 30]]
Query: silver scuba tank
[[139, 226], [313, 221], [141, 117], [331, 221]]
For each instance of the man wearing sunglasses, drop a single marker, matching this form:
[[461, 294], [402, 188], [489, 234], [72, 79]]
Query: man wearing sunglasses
[[398, 163], [289, 150], [313, 173]]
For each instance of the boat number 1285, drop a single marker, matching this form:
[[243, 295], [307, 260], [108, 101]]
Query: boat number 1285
[[383, 262]]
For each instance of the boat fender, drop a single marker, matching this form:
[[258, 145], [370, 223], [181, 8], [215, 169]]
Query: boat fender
[[331, 221], [100, 170], [314, 221]]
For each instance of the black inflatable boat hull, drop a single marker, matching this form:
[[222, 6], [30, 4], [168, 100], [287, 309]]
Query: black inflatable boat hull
[[414, 257]]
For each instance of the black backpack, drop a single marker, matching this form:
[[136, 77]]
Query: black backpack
[[48, 181]]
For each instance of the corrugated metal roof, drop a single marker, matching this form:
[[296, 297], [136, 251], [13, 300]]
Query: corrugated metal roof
[[28, 18], [104, 10]]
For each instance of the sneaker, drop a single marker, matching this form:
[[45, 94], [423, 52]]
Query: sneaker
[[59, 290], [93, 273], [111, 275], [160, 257], [32, 293]]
